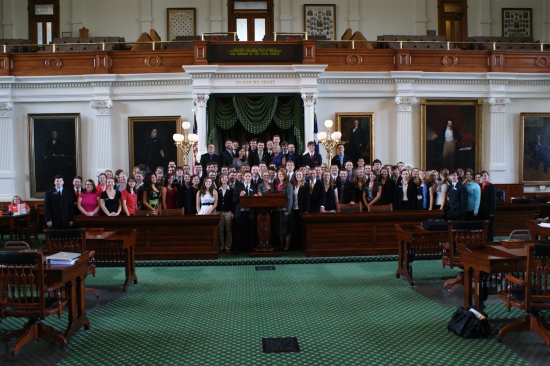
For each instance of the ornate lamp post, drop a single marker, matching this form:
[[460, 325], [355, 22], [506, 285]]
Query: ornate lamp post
[[186, 141], [332, 142]]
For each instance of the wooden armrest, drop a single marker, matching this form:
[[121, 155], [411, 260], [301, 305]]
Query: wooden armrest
[[53, 286], [514, 279]]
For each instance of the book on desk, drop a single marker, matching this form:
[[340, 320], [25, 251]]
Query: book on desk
[[63, 258]]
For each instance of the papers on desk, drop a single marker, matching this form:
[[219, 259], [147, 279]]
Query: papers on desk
[[544, 224], [63, 258]]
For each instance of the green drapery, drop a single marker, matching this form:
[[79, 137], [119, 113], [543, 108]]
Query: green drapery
[[256, 114]]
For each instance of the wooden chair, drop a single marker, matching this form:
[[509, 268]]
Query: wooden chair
[[380, 208], [23, 294], [74, 241], [16, 246], [531, 294], [171, 212], [461, 232], [346, 207], [146, 212]]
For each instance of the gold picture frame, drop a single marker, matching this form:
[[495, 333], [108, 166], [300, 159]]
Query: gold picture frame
[[532, 152], [345, 123], [320, 20], [180, 22], [466, 117], [139, 131], [54, 149]]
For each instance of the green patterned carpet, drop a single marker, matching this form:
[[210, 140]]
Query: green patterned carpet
[[354, 313]]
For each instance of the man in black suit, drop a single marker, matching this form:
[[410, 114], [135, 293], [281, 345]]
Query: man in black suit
[[457, 198], [311, 158], [488, 203], [340, 159], [59, 206], [244, 220], [226, 158], [358, 141], [261, 155], [209, 157], [346, 189], [77, 186], [292, 155], [317, 192]]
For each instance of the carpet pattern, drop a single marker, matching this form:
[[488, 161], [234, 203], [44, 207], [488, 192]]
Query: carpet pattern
[[354, 313]]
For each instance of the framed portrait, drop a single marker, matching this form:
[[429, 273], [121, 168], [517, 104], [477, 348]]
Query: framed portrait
[[357, 134], [534, 148], [517, 22], [151, 141], [54, 149], [320, 20], [180, 22], [450, 134]]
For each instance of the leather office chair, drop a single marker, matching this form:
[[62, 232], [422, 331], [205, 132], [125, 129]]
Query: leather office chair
[[461, 232], [380, 208], [23, 294], [16, 246], [346, 207], [73, 241], [531, 294]]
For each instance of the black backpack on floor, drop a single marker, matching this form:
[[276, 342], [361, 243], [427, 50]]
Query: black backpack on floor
[[470, 323]]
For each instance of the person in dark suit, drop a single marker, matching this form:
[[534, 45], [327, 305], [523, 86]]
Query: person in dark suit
[[538, 151], [293, 156], [405, 193], [488, 204], [311, 158], [77, 187], [346, 189], [317, 194], [358, 141], [244, 220], [210, 157], [340, 159], [226, 158], [261, 155], [59, 206], [153, 151], [457, 199]]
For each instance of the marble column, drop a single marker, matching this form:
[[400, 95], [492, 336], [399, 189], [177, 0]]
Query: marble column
[[200, 100], [8, 19], [7, 172], [353, 15], [500, 140], [103, 142], [216, 17], [421, 19], [546, 21], [76, 17], [285, 16], [310, 99], [404, 133], [146, 16], [484, 18]]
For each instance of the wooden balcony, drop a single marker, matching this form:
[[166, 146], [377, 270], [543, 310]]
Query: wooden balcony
[[337, 59]]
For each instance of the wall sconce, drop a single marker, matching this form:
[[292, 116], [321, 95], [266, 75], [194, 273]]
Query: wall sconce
[[332, 142], [186, 141]]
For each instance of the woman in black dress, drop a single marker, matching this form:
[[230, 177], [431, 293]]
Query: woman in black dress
[[110, 200], [191, 196], [331, 194]]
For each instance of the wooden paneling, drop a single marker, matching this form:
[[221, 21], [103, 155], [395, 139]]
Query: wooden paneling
[[357, 233], [165, 237], [513, 216]]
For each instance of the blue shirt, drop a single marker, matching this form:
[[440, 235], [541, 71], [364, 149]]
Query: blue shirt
[[474, 196]]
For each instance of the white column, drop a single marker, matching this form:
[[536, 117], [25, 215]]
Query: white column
[[76, 17], [484, 19], [200, 104], [285, 16], [215, 17], [8, 20], [404, 133], [500, 140], [7, 172], [421, 19], [310, 99], [103, 143], [146, 16], [353, 15]]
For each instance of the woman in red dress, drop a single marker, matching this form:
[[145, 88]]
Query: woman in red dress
[[169, 194]]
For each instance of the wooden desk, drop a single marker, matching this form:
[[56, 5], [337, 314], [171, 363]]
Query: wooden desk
[[487, 258], [73, 277], [114, 248], [415, 242], [537, 232]]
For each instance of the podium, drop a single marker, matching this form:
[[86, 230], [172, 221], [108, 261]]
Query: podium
[[263, 206]]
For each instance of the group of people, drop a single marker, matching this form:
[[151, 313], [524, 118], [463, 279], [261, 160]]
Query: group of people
[[310, 185]]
